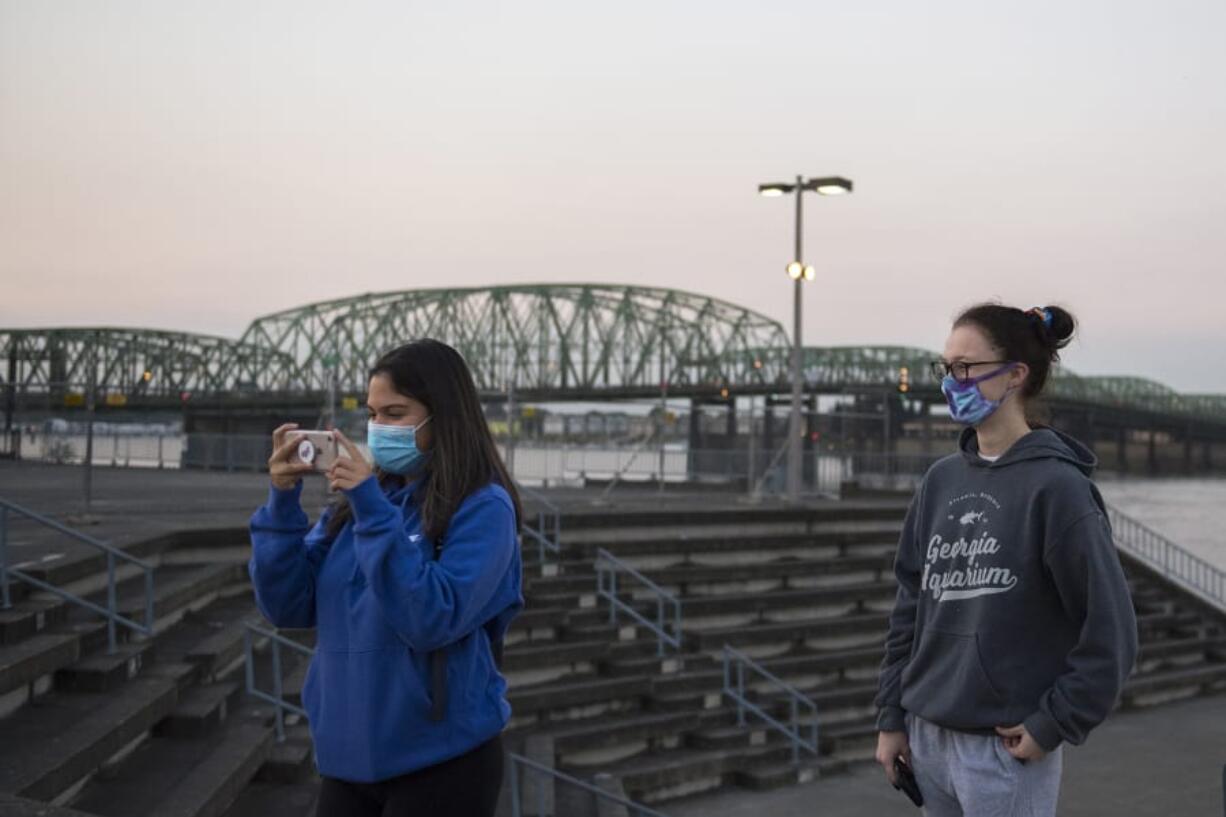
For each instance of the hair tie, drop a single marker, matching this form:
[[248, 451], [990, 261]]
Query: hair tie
[[1042, 313]]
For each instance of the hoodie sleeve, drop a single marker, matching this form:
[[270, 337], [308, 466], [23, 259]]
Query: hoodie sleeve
[[285, 556], [432, 603], [1086, 571], [907, 567]]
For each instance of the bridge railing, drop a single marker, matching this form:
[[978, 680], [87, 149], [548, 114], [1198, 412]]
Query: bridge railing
[[608, 567], [1177, 564], [620, 466], [734, 658], [113, 554]]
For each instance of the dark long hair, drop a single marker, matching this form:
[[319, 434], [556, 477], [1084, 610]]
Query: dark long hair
[[1025, 336], [462, 456]]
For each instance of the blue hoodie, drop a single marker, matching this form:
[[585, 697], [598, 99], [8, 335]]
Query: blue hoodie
[[1012, 606], [381, 604]]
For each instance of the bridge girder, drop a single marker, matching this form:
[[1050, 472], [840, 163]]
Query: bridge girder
[[554, 341]]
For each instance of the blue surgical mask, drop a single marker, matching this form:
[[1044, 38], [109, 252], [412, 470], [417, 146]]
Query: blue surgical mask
[[967, 404], [394, 448]]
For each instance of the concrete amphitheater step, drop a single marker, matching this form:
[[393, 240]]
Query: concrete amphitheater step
[[560, 697], [29, 617], [713, 541], [14, 806], [36, 657], [180, 777], [200, 711], [792, 632], [268, 799], [1182, 650], [66, 736], [1170, 685]]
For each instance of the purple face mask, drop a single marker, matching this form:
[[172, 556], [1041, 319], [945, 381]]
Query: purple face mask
[[967, 404]]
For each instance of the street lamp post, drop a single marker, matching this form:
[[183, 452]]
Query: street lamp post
[[799, 272]]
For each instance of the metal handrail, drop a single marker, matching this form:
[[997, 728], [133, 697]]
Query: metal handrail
[[277, 698], [795, 696], [540, 768], [548, 530], [1177, 564], [112, 615], [608, 565], [634, 455]]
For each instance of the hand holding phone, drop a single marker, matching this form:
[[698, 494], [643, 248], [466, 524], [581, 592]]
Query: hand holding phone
[[905, 781], [284, 467], [316, 448]]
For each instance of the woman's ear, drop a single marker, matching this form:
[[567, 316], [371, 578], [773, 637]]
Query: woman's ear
[[1019, 375]]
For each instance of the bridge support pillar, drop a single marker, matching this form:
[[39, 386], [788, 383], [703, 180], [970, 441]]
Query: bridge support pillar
[[1153, 451], [1121, 450]]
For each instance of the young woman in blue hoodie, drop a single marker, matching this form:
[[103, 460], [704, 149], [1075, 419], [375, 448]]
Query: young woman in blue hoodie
[[403, 695], [1013, 630]]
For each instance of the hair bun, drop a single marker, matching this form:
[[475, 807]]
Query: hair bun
[[1057, 325]]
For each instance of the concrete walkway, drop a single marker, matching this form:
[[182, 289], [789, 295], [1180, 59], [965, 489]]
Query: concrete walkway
[[1161, 762]]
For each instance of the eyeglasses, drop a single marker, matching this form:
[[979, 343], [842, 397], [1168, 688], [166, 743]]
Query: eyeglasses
[[961, 370]]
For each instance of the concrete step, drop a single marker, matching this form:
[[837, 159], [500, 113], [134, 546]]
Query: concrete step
[[1172, 685], [594, 742], [176, 589], [813, 632], [266, 799], [645, 521], [101, 671], [29, 616], [773, 775], [36, 657], [711, 540], [579, 699], [68, 735], [1170, 652], [1156, 626], [177, 777], [793, 668], [525, 664], [200, 711], [14, 806], [291, 760]]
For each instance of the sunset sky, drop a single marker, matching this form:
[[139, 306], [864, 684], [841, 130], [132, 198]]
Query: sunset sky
[[193, 165]]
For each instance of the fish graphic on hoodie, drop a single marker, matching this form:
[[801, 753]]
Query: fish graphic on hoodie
[[1012, 606]]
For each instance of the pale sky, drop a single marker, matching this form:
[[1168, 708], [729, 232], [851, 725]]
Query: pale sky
[[193, 165]]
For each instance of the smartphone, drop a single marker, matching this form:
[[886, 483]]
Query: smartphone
[[906, 782], [319, 448]]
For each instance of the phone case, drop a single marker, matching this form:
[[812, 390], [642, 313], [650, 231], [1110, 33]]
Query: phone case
[[906, 782], [318, 448]]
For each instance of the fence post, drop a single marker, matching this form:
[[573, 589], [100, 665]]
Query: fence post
[[5, 601], [539, 786]]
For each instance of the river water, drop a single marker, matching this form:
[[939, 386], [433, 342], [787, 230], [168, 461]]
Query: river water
[[1183, 510]]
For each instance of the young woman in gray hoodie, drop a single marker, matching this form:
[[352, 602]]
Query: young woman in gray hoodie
[[1013, 630]]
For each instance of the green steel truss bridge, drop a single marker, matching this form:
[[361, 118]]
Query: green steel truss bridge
[[547, 342]]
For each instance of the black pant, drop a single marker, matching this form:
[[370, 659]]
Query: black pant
[[464, 786]]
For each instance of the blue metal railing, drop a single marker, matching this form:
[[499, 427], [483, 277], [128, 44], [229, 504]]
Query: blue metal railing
[[541, 769], [607, 568], [548, 531], [112, 615], [277, 698], [795, 697], [1175, 563]]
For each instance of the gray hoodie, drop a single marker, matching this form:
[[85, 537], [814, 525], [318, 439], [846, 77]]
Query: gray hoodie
[[1012, 606]]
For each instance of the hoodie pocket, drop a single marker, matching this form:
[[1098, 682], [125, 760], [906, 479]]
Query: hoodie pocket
[[945, 680]]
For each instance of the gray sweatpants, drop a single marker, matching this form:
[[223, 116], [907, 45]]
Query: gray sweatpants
[[974, 775]]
